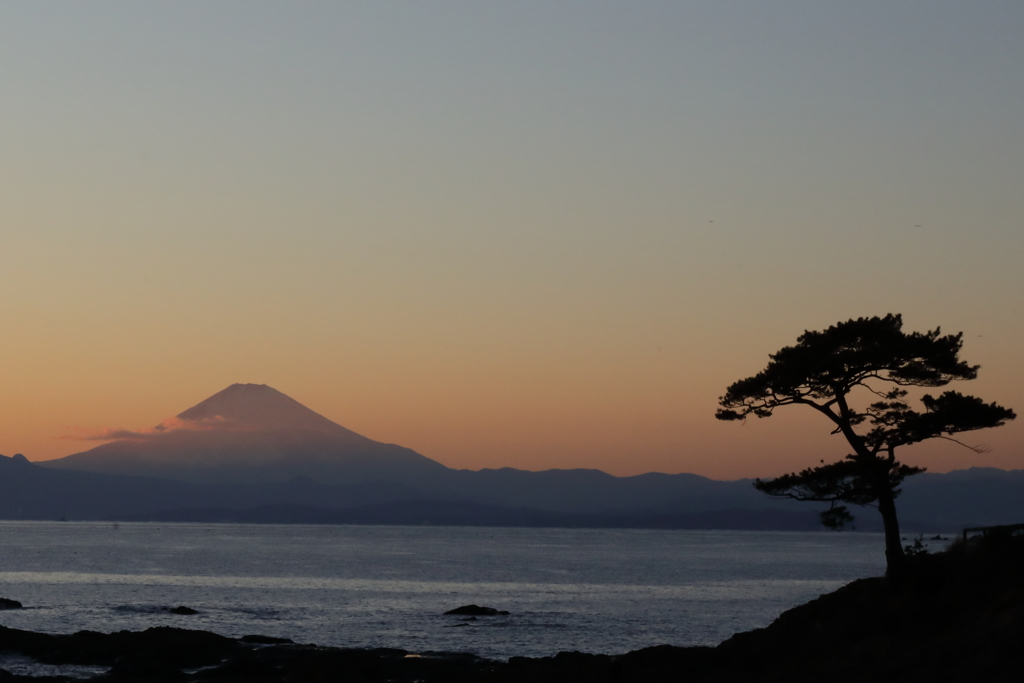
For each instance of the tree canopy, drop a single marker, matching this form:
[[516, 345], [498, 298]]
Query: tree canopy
[[873, 358]]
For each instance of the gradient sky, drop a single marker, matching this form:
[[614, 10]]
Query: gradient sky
[[529, 234]]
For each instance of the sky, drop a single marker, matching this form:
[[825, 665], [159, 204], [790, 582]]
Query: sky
[[522, 234]]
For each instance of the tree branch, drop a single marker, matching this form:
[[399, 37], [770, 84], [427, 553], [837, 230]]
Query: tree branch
[[979, 449]]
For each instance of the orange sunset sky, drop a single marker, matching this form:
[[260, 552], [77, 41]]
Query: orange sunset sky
[[522, 234]]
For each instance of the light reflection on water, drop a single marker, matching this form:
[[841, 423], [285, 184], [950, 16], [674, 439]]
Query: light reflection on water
[[25, 666], [568, 589]]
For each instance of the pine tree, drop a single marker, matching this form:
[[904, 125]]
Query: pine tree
[[868, 357]]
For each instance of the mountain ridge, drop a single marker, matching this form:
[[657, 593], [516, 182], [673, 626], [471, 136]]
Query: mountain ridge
[[250, 433], [27, 491], [262, 406], [250, 446]]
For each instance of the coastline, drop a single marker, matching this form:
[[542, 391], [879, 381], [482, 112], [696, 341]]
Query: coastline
[[599, 591], [959, 615]]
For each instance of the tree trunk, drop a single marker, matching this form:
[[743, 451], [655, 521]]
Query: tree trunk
[[894, 555]]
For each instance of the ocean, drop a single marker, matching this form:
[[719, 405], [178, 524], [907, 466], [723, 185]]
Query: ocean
[[592, 590]]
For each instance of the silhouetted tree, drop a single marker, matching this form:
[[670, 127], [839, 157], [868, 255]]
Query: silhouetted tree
[[859, 358]]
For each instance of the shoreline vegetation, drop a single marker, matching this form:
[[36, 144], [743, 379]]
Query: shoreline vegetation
[[954, 615]]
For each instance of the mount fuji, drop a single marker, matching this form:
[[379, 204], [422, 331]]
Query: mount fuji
[[252, 433]]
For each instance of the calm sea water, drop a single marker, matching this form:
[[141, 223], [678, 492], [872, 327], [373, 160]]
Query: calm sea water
[[607, 591]]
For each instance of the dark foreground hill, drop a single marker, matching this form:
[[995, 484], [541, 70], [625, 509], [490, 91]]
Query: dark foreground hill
[[957, 616]]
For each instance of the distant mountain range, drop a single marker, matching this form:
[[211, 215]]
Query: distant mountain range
[[251, 454]]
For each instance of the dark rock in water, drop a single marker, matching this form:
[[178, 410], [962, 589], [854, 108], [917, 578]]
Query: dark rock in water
[[476, 611], [164, 646], [9, 604], [266, 640], [181, 609]]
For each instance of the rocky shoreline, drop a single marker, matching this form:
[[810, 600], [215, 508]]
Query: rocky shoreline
[[959, 615]]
